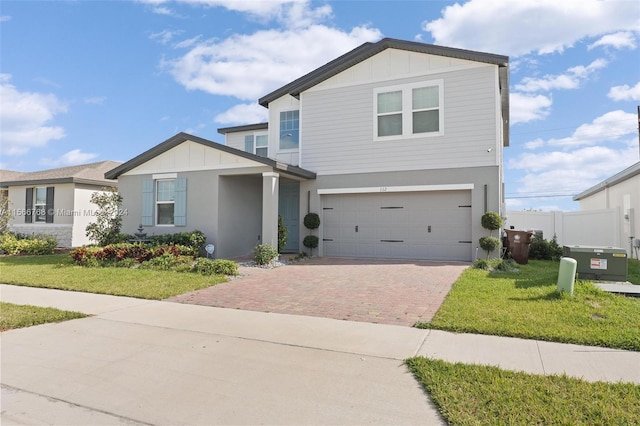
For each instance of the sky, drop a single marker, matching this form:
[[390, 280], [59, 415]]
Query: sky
[[84, 81]]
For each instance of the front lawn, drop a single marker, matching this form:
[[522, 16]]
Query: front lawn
[[59, 272], [18, 316], [482, 395], [525, 304]]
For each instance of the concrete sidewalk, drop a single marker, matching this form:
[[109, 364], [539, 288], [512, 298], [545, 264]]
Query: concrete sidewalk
[[150, 362]]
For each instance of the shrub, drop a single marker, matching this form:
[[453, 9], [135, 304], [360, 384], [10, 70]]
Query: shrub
[[311, 221], [541, 249], [310, 241], [481, 264], [282, 234], [490, 244], [264, 254], [218, 266], [194, 239], [119, 252], [168, 262], [491, 221], [34, 245]]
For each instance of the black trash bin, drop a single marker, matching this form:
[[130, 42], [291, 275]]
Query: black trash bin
[[518, 242]]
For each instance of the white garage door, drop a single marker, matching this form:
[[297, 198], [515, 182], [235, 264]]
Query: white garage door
[[401, 225]]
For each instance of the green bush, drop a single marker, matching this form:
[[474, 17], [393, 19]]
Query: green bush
[[481, 264], [34, 245], [541, 249], [490, 244], [282, 234], [491, 221], [115, 253], [168, 262], [264, 254], [194, 239], [311, 221], [219, 266], [310, 241]]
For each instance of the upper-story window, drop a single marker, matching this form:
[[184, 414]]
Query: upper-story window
[[257, 143], [408, 111], [289, 129]]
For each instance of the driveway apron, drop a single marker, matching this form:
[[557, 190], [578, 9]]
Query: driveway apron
[[368, 290]]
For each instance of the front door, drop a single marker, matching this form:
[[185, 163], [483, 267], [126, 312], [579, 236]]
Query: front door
[[289, 209]]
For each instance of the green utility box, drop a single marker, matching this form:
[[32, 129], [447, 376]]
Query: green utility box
[[599, 263]]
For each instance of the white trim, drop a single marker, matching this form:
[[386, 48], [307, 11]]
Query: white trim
[[408, 188], [407, 110], [270, 174], [164, 176]]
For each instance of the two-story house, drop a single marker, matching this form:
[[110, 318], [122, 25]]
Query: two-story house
[[397, 145]]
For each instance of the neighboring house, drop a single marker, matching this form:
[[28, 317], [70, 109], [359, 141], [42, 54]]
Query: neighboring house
[[397, 146], [57, 201], [621, 192]]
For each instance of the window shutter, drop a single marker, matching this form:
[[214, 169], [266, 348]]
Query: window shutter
[[180, 203], [50, 192], [28, 206], [147, 203]]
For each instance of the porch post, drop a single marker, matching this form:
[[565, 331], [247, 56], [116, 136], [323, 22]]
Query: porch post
[[270, 185]]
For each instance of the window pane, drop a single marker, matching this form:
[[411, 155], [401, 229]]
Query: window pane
[[166, 190], [165, 214], [289, 129], [262, 152], [426, 121], [40, 196], [389, 102], [425, 97], [262, 140], [248, 143], [389, 125]]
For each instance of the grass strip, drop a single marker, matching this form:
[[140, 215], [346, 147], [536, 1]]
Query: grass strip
[[481, 395], [525, 304], [18, 316], [59, 272]]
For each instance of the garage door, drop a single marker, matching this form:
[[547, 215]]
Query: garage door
[[400, 225]]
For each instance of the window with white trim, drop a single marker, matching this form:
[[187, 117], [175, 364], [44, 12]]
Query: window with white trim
[[408, 111], [40, 204], [289, 129], [165, 201], [257, 143]]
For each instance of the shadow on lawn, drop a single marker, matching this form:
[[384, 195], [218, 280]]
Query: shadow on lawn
[[553, 295], [46, 259]]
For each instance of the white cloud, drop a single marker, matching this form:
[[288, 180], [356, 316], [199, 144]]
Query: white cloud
[[165, 36], [25, 118], [242, 114], [619, 40], [95, 100], [71, 158], [185, 44], [612, 126], [525, 108], [289, 13], [5, 18], [570, 80], [519, 27], [625, 93], [250, 66]]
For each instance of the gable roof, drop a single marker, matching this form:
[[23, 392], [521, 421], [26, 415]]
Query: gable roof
[[626, 174], [368, 50], [91, 174], [183, 137]]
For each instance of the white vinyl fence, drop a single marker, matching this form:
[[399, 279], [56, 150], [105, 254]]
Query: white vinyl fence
[[585, 228]]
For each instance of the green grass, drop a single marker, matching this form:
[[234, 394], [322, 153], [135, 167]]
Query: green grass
[[58, 271], [525, 304], [633, 271], [18, 316], [481, 395]]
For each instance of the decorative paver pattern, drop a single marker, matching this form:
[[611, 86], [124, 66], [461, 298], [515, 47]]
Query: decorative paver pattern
[[367, 290]]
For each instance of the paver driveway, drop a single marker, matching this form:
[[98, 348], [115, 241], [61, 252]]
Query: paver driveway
[[368, 290]]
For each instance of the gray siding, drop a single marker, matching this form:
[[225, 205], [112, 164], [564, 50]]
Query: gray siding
[[338, 128], [240, 215]]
